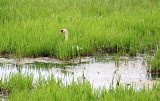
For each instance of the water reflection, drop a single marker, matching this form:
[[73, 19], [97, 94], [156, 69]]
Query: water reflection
[[100, 71]]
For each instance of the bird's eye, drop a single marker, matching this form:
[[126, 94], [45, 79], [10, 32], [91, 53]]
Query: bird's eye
[[62, 30]]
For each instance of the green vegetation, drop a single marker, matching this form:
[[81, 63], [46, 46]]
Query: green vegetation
[[155, 62], [30, 28], [21, 88]]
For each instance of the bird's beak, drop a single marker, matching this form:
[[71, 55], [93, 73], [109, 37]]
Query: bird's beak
[[60, 32]]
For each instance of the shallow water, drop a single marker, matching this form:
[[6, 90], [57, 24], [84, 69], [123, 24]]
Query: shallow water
[[101, 71]]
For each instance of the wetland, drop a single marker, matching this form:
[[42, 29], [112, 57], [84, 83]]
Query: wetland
[[111, 53]]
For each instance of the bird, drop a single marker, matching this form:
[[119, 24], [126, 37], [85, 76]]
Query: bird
[[65, 31]]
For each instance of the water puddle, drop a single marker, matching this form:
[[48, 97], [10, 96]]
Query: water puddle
[[101, 71]]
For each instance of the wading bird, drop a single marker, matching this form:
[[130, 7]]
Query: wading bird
[[65, 31]]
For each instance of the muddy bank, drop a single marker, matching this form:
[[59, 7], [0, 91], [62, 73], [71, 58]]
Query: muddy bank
[[78, 60], [22, 61]]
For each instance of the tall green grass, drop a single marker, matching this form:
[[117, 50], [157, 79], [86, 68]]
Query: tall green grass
[[31, 27], [22, 88]]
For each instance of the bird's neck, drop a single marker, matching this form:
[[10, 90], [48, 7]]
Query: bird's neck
[[66, 36]]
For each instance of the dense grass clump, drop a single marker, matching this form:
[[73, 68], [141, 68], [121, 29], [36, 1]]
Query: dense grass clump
[[21, 88], [31, 27]]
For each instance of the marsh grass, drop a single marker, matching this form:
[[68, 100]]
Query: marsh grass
[[22, 88], [17, 82], [155, 63], [29, 28]]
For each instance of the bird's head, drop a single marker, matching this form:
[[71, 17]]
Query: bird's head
[[63, 31]]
